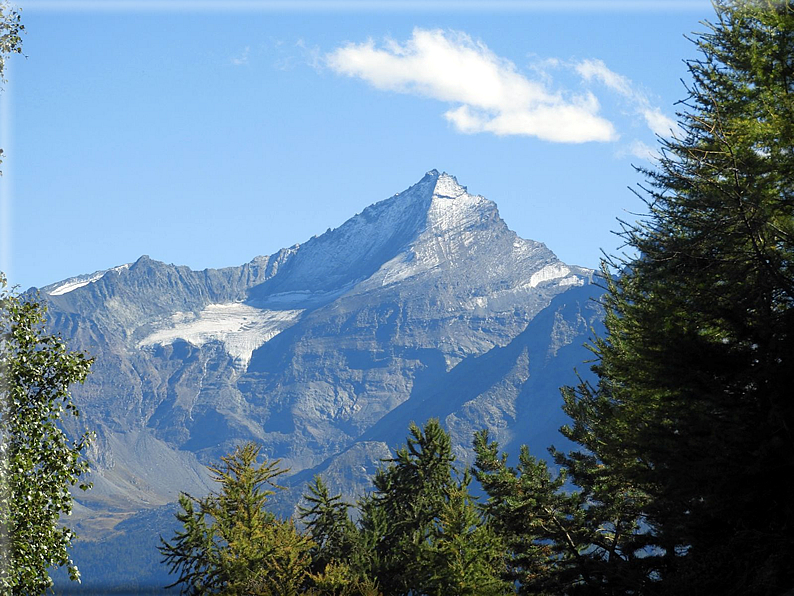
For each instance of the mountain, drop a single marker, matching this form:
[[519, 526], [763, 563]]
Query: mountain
[[424, 304]]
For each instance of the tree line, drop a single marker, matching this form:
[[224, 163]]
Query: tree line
[[684, 440]]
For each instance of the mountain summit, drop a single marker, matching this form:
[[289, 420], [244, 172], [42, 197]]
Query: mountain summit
[[425, 302], [434, 229], [434, 223]]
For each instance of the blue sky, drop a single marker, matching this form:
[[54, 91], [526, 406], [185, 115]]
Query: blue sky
[[204, 134]]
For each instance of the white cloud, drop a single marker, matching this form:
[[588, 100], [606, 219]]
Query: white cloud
[[493, 95], [596, 69], [659, 123], [311, 55], [640, 150], [654, 118], [242, 58]]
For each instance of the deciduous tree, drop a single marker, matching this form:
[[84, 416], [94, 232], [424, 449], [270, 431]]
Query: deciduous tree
[[39, 463], [11, 30]]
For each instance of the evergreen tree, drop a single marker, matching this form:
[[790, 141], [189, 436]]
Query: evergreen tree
[[561, 541], [427, 536], [610, 515], [526, 508], [230, 543], [373, 524], [39, 464], [334, 534], [339, 579], [463, 554], [410, 492], [693, 409]]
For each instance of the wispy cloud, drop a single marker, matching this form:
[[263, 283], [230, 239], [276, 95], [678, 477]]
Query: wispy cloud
[[654, 118], [640, 150], [493, 96], [659, 123], [311, 54], [291, 55], [242, 58]]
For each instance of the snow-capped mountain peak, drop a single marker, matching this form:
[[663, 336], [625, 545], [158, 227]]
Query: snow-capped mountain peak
[[71, 284], [447, 186], [425, 304], [360, 246]]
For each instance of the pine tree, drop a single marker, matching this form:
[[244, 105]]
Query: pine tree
[[334, 534], [693, 408], [230, 543], [373, 524], [610, 509], [465, 556], [526, 509], [425, 531], [339, 579], [410, 493]]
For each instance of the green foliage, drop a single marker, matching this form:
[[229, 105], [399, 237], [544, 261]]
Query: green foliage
[[611, 501], [338, 579], [230, 543], [542, 526], [11, 30], [692, 419], [409, 494], [38, 462], [372, 526], [463, 555], [420, 532], [333, 532], [429, 536]]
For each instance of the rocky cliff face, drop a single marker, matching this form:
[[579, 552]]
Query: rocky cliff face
[[425, 304]]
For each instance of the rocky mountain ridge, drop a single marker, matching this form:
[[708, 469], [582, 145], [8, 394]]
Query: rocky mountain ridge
[[425, 303]]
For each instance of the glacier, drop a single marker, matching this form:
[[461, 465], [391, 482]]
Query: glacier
[[239, 327]]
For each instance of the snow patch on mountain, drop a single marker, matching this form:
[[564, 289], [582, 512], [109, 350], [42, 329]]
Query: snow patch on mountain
[[452, 208], [548, 273], [572, 280], [447, 186], [450, 223], [240, 327], [456, 224], [73, 283], [303, 299]]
